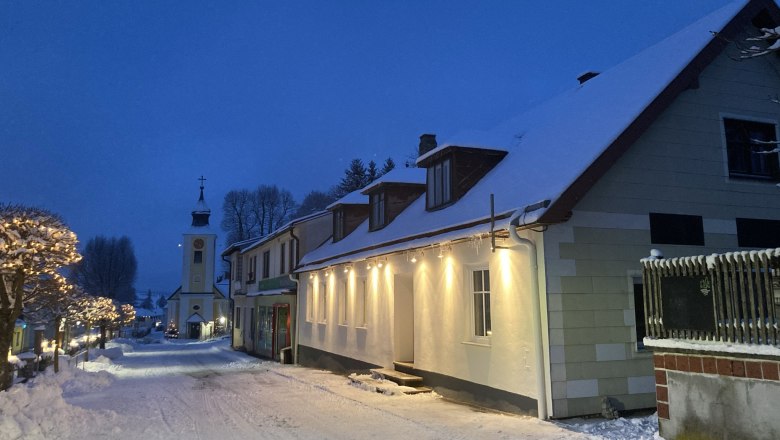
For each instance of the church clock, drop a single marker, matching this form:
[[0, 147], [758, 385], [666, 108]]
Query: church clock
[[198, 243]]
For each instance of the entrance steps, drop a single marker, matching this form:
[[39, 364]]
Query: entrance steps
[[413, 383]]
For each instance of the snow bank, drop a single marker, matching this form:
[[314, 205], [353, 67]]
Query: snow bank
[[37, 409], [111, 353], [636, 428]]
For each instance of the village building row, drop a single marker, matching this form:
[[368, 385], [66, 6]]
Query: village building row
[[505, 269]]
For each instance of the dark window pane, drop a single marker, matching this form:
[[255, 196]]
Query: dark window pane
[[676, 229], [479, 322], [758, 233], [486, 276], [639, 315], [487, 314], [198, 257], [477, 281]]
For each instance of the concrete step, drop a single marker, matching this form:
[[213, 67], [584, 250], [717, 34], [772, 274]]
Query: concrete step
[[380, 386], [398, 377]]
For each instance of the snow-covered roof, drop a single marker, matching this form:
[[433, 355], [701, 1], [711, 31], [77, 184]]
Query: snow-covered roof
[[282, 229], [414, 176], [354, 198], [550, 146]]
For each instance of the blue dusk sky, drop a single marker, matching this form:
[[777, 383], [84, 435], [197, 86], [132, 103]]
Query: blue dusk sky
[[111, 110]]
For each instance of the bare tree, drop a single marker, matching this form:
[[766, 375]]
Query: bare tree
[[271, 208], [108, 268], [237, 217], [34, 245]]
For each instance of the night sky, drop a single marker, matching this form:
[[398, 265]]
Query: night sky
[[111, 110]]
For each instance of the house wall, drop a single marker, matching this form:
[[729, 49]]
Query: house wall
[[677, 166], [443, 337]]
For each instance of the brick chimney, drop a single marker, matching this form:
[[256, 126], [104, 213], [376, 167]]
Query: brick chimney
[[427, 143]]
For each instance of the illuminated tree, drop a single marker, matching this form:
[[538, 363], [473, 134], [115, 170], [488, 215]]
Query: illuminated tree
[[34, 245], [97, 310]]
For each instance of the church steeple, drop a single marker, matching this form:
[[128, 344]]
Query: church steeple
[[201, 213]]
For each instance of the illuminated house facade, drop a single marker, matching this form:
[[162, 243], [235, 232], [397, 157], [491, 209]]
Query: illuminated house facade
[[263, 292], [532, 308], [196, 306]]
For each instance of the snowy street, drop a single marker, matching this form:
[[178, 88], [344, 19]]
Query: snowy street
[[205, 390]]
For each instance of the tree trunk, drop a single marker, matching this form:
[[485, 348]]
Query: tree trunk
[[102, 336], [57, 343], [6, 368]]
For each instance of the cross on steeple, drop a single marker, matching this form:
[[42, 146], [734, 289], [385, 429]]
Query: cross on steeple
[[202, 179]]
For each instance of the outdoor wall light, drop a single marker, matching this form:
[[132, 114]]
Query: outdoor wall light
[[347, 269]]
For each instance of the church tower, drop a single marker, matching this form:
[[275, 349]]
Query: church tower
[[198, 250], [197, 307]]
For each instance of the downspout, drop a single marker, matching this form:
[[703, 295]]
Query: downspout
[[294, 278], [541, 401], [230, 298]]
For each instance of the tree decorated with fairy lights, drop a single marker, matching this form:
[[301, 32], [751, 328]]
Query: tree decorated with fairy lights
[[34, 245]]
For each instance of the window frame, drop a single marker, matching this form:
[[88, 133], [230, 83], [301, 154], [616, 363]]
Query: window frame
[[266, 264], [282, 258], [439, 187], [343, 302], [338, 224], [771, 163], [486, 304], [197, 257], [361, 302], [309, 302], [377, 210], [251, 275], [322, 299]]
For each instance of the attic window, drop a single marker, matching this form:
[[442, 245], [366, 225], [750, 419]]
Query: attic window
[[745, 149], [338, 224], [378, 217], [439, 181]]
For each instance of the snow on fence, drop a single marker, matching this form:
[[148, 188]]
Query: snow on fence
[[732, 297]]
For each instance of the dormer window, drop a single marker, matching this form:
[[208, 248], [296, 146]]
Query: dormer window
[[439, 181], [338, 224], [378, 216], [453, 170]]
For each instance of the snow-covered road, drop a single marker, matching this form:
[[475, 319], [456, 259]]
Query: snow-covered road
[[197, 390]]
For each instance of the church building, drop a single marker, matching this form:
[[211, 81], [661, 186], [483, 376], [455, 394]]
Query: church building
[[197, 308]]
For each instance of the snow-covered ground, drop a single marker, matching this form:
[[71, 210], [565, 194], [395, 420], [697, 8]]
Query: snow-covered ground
[[205, 390]]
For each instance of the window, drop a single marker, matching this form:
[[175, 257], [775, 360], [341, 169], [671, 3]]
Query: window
[[266, 264], [282, 258], [361, 302], [744, 146], [343, 302], [639, 313], [439, 190], [198, 257], [338, 224], [758, 233], [676, 229], [252, 275], [251, 323], [238, 317], [309, 303], [239, 268], [323, 306], [481, 302], [377, 219]]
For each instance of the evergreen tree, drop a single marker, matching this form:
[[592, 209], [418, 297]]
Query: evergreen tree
[[162, 302], [372, 173], [388, 166], [355, 177]]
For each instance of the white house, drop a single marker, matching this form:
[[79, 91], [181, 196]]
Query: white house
[[505, 272]]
